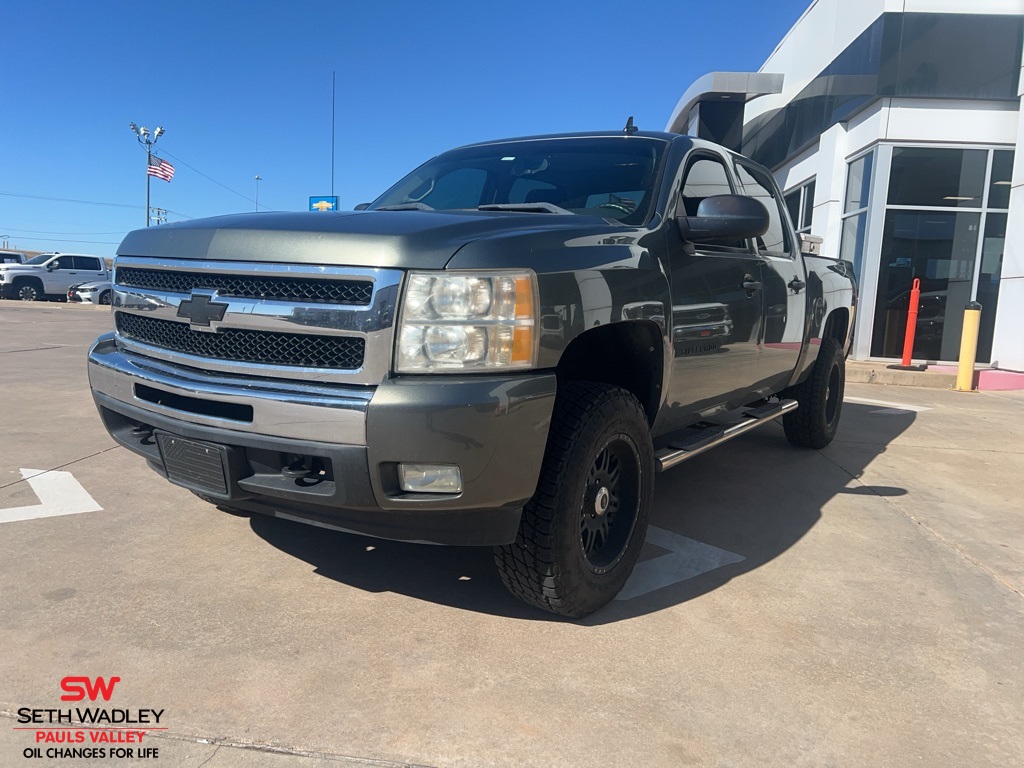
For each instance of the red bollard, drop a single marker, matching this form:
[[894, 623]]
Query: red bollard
[[908, 340]]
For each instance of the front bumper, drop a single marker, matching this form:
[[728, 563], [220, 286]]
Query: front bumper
[[493, 427]]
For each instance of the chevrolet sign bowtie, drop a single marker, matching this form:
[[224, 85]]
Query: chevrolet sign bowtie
[[201, 310]]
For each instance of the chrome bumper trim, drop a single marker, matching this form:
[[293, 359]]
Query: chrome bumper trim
[[333, 414]]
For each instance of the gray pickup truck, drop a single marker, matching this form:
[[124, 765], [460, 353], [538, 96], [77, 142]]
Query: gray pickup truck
[[502, 350]]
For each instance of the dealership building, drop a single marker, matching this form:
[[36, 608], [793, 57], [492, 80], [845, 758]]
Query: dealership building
[[894, 127]]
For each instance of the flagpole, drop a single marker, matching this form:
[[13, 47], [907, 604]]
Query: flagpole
[[149, 160], [333, 91], [142, 135]]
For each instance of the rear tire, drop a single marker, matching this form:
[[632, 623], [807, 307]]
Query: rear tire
[[814, 423], [582, 532]]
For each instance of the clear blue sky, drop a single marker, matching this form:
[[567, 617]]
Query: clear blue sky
[[244, 88]]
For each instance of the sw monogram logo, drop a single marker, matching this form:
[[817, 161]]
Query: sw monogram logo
[[79, 687]]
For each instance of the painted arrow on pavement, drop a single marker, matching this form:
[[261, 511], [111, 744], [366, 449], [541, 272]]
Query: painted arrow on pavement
[[686, 558], [59, 493]]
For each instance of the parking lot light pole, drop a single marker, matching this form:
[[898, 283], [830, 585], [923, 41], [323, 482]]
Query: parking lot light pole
[[258, 179], [142, 135]]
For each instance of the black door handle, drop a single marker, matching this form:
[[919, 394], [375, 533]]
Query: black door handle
[[797, 284], [751, 285]]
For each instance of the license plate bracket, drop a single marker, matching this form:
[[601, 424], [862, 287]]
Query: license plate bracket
[[194, 464]]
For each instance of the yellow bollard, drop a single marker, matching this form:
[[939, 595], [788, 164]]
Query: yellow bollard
[[968, 347]]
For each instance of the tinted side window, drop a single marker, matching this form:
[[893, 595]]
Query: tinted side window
[[63, 262], [755, 184], [88, 263], [705, 177]]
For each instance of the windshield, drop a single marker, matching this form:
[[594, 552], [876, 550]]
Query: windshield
[[42, 258], [612, 177]]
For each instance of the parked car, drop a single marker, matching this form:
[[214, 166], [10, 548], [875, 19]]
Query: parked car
[[49, 275], [96, 292]]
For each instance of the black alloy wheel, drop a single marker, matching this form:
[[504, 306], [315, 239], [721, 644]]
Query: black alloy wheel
[[610, 504]]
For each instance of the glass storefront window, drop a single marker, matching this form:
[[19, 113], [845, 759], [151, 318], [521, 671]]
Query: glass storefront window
[[851, 246], [858, 182], [944, 178], [988, 280], [940, 248], [999, 186], [800, 204]]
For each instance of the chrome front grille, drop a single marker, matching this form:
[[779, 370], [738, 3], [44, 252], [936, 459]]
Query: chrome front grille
[[260, 347], [283, 321], [280, 288]]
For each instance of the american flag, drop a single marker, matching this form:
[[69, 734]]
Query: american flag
[[160, 168]]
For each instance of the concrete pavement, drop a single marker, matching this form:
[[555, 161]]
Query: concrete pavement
[[875, 617]]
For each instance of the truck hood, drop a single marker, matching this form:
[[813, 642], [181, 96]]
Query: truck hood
[[402, 239]]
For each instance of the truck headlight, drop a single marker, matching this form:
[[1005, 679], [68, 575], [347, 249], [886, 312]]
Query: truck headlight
[[477, 321]]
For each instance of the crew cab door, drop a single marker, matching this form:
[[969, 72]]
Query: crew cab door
[[60, 275], [716, 306], [783, 280]]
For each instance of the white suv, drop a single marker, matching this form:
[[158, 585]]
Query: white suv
[[49, 274]]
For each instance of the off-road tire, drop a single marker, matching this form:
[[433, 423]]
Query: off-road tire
[[561, 561], [814, 423], [28, 290]]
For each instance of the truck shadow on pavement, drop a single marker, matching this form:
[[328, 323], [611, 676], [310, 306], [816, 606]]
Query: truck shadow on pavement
[[716, 517]]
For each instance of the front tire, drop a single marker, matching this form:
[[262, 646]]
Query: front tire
[[582, 532], [814, 423], [28, 291], [105, 298]]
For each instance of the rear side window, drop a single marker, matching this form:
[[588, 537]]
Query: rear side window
[[87, 263], [756, 184]]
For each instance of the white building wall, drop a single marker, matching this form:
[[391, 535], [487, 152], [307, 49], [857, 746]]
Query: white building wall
[[1008, 341]]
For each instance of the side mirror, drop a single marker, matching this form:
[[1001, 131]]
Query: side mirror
[[362, 207], [726, 217], [51, 265]]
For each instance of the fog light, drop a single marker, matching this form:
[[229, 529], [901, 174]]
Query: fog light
[[430, 478]]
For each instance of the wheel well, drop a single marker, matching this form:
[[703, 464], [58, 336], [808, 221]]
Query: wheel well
[[836, 325], [627, 355], [27, 279]]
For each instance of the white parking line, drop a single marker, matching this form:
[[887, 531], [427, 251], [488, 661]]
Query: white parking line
[[59, 494], [891, 407], [687, 558]]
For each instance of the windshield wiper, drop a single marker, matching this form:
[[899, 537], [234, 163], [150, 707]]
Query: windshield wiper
[[405, 207], [526, 208]]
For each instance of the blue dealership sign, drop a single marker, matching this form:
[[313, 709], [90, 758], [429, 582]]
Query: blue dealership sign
[[323, 203]]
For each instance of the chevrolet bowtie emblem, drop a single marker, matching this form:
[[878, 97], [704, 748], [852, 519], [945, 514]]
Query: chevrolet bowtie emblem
[[201, 309]]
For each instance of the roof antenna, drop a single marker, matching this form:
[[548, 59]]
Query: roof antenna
[[630, 129]]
